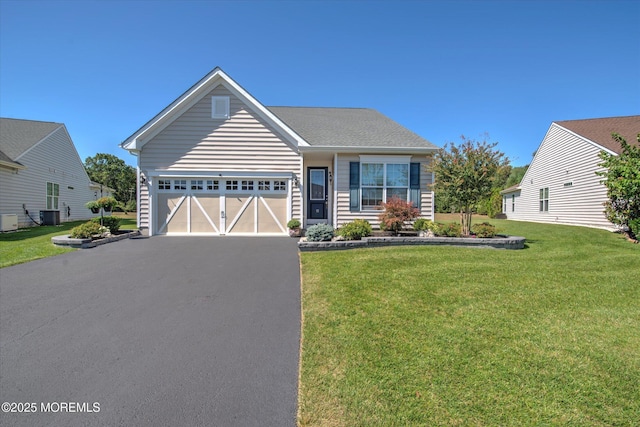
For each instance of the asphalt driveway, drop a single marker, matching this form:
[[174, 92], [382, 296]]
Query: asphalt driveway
[[163, 331]]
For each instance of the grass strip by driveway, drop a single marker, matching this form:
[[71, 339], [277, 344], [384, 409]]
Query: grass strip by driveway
[[548, 335], [28, 244]]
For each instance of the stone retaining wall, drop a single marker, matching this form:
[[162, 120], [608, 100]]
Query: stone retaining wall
[[89, 243], [507, 242]]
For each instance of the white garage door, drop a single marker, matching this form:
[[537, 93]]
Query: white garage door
[[221, 207]]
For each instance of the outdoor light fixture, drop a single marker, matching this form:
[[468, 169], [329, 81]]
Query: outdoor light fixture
[[143, 180], [330, 176], [295, 181]]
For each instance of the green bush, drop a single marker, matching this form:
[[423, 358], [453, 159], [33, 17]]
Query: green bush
[[87, 230], [355, 230], [453, 229], [293, 223], [319, 233], [634, 226], [422, 224], [483, 230], [111, 222]]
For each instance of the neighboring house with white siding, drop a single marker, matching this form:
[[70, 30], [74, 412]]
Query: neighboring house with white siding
[[561, 185], [216, 161], [40, 170]]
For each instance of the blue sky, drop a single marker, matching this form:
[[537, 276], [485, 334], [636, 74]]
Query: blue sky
[[440, 68]]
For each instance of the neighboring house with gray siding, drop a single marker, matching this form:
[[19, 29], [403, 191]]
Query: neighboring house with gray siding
[[218, 162], [40, 170], [561, 185]]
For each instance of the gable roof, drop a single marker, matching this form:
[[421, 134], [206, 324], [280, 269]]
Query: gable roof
[[349, 128], [194, 94], [17, 135], [599, 130]]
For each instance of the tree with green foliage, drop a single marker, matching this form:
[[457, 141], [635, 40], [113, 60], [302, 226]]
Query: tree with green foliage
[[109, 170], [622, 179], [466, 174], [516, 175]]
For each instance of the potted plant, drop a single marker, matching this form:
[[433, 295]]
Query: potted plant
[[294, 228], [107, 203], [94, 206]]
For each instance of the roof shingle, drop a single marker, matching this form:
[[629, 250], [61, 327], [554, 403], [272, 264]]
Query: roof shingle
[[17, 135], [600, 130], [348, 127]]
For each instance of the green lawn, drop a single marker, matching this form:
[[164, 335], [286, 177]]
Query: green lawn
[[28, 244], [548, 335]]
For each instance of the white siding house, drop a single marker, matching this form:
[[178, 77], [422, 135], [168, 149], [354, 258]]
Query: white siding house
[[218, 162], [561, 185], [40, 170]]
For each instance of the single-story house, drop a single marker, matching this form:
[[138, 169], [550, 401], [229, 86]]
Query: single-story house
[[561, 185], [216, 161], [41, 171]]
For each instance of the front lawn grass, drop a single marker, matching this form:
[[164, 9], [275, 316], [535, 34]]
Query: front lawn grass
[[28, 244], [547, 335]]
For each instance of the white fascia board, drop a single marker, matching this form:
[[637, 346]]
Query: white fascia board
[[12, 165], [220, 174], [369, 150], [39, 142], [587, 140]]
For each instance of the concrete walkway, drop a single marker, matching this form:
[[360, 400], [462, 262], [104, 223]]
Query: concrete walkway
[[160, 331]]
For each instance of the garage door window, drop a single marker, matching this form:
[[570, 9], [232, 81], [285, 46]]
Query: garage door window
[[179, 184], [212, 185], [197, 185], [164, 184]]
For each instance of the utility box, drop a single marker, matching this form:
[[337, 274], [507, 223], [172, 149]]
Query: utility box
[[8, 222], [50, 217]]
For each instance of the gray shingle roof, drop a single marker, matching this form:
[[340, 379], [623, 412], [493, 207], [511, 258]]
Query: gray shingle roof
[[348, 127], [17, 136]]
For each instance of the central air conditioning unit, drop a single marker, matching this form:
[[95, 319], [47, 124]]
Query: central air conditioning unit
[[8, 222]]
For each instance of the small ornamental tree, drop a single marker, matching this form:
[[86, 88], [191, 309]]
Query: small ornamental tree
[[396, 213], [622, 179], [465, 174]]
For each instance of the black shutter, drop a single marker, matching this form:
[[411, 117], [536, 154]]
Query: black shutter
[[354, 186], [414, 184]]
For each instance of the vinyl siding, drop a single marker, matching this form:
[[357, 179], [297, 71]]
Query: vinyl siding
[[345, 215], [196, 142], [56, 160], [562, 158]]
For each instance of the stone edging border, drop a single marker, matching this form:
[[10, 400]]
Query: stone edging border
[[507, 242], [88, 243]]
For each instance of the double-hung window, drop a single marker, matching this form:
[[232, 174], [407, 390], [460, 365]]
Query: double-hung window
[[544, 199], [382, 181], [53, 195]]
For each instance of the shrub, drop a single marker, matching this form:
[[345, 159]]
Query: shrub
[[87, 230], [355, 230], [453, 229], [483, 230], [111, 222], [422, 224], [293, 223], [634, 226], [319, 233], [396, 213]]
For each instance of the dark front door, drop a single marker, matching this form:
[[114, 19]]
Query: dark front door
[[317, 193]]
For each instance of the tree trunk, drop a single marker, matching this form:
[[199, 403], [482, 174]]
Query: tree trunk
[[465, 221]]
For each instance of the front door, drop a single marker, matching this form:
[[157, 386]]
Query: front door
[[317, 196]]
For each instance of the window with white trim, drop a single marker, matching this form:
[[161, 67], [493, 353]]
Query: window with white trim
[[247, 186], [197, 184], [179, 184], [544, 199], [164, 184], [382, 181], [213, 185], [53, 195], [264, 185], [219, 107]]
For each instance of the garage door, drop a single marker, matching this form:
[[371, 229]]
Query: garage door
[[222, 207]]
